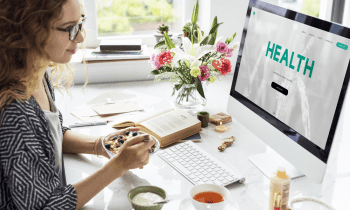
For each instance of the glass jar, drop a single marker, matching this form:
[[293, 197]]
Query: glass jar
[[188, 98]]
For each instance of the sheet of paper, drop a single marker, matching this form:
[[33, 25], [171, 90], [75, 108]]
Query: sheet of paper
[[170, 122], [111, 96], [84, 111], [97, 118], [116, 107], [144, 102]]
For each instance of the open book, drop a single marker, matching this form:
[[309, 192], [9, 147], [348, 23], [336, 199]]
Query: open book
[[168, 125]]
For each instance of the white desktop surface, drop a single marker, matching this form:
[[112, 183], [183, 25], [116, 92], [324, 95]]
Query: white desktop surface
[[252, 195]]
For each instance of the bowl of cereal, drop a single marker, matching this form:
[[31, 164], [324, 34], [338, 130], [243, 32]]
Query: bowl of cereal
[[112, 144]]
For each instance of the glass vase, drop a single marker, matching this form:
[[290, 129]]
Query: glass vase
[[188, 98]]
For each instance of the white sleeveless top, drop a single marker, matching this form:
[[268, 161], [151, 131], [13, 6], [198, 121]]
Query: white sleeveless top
[[56, 131]]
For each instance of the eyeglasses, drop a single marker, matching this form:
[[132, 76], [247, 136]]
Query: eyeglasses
[[73, 30]]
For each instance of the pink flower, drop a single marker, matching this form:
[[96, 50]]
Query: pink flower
[[154, 62], [229, 53], [221, 47], [225, 66], [205, 73], [164, 57]]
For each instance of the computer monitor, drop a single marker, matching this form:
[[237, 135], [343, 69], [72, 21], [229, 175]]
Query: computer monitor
[[289, 85]]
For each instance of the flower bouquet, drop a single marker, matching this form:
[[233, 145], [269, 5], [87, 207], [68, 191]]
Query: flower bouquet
[[197, 60]]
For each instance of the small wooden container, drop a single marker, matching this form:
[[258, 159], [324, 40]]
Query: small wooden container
[[218, 118], [204, 118]]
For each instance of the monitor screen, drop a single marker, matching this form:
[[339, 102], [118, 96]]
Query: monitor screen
[[293, 71]]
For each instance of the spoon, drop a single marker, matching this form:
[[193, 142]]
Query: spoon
[[162, 202]]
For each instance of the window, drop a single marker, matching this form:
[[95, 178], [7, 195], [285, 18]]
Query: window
[[136, 17], [309, 7], [346, 20], [130, 19], [331, 10]]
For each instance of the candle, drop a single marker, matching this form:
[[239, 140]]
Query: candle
[[221, 128]]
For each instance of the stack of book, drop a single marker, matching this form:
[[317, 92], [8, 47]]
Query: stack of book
[[119, 50], [121, 45]]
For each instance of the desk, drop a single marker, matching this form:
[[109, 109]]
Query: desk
[[252, 195]]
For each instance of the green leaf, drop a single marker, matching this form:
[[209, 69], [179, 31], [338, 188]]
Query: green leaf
[[229, 39], [178, 86], [215, 22], [205, 40], [190, 36], [155, 72], [199, 33], [212, 39], [188, 29], [195, 11], [165, 69], [199, 87], [168, 42], [159, 44], [214, 28], [195, 38]]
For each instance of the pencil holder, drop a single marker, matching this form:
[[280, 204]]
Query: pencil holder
[[204, 118]]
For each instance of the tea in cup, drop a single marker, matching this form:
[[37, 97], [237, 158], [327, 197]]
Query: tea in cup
[[209, 196]]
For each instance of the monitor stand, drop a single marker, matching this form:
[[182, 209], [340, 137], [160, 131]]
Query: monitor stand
[[269, 161]]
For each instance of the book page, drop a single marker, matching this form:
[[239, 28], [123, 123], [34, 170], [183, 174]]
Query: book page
[[147, 113], [153, 113], [170, 122]]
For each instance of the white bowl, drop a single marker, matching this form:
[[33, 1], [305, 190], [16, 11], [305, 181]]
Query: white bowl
[[212, 188], [111, 154]]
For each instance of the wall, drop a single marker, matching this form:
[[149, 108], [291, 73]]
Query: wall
[[346, 20]]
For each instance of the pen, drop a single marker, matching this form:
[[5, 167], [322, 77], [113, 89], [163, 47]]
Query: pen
[[88, 124]]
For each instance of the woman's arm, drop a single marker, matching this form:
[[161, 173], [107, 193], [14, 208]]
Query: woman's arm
[[74, 142], [87, 188], [131, 155]]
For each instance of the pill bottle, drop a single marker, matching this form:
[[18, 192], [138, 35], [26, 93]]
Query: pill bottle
[[279, 183]]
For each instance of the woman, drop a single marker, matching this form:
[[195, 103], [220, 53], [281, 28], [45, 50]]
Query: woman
[[36, 34]]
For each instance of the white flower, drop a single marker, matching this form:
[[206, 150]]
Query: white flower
[[235, 46], [192, 52]]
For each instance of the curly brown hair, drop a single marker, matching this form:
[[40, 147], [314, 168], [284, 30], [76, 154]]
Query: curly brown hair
[[26, 28]]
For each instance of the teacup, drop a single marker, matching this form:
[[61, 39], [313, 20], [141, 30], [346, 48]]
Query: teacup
[[209, 188]]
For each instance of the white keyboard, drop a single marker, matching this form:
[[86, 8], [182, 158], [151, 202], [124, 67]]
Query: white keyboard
[[198, 166]]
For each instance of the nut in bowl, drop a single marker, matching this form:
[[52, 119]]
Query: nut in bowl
[[112, 143]]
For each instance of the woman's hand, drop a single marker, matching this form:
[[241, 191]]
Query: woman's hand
[[134, 153], [101, 151]]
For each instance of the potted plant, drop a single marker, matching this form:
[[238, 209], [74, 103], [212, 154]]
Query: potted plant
[[160, 33]]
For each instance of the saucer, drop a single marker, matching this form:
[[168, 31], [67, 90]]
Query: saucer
[[186, 204]]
